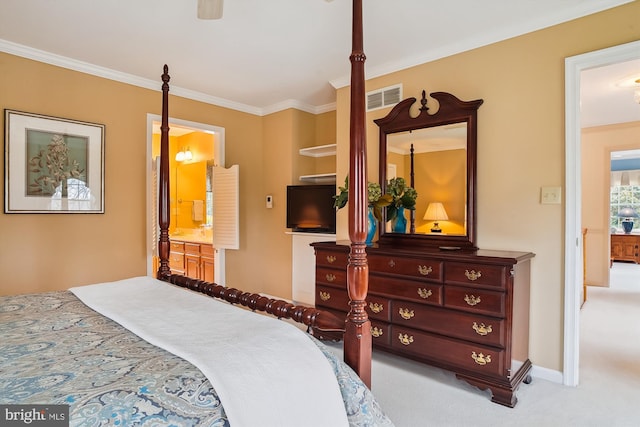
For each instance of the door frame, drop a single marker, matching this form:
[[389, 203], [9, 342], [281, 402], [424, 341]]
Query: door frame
[[219, 156], [573, 269]]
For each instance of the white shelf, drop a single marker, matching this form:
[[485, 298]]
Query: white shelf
[[319, 151], [323, 177]]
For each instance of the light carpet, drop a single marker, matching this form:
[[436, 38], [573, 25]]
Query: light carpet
[[414, 395]]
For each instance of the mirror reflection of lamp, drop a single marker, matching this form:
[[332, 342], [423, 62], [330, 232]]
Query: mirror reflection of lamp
[[436, 212], [627, 215], [310, 218]]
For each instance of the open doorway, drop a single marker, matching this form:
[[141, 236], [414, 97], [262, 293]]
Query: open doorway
[[194, 148], [625, 214], [574, 273]]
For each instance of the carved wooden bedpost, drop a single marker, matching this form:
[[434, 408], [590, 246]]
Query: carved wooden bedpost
[[357, 340], [163, 196]]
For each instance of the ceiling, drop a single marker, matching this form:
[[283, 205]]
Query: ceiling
[[267, 55]]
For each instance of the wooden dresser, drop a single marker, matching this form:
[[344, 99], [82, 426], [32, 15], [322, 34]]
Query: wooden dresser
[[467, 312], [625, 247]]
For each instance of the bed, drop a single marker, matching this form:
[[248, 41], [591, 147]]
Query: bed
[[150, 351]]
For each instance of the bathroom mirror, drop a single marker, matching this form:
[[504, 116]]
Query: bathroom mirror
[[435, 152]]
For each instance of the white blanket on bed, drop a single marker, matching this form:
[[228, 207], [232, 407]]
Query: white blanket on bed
[[266, 372]]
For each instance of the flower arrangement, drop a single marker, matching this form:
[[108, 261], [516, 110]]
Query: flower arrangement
[[401, 196], [376, 199]]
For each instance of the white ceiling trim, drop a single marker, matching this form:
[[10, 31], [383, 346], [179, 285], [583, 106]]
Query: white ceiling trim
[[500, 34], [95, 70]]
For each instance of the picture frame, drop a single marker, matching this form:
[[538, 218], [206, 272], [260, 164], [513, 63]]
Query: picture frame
[[52, 164]]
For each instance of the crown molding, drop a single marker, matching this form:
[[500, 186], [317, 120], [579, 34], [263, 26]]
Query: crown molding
[[298, 105], [107, 73], [483, 39]]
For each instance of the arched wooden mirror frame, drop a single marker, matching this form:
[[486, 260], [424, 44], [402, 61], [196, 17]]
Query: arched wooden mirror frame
[[451, 110]]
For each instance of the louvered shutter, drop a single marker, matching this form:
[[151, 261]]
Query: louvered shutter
[[226, 202]]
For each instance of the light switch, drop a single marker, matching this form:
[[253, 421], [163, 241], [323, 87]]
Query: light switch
[[269, 201], [551, 195]]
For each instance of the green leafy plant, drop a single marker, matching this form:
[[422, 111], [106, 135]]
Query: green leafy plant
[[376, 199], [401, 195]]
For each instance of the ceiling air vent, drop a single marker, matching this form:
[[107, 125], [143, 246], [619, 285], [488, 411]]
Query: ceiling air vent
[[384, 97]]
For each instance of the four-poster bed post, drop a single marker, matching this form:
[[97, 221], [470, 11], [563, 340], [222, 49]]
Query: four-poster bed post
[[357, 338], [356, 327], [163, 196]]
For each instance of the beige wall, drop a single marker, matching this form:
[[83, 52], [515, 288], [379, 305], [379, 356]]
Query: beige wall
[[50, 252], [597, 145], [520, 146]]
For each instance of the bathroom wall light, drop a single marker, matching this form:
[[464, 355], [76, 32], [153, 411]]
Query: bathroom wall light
[[184, 155]]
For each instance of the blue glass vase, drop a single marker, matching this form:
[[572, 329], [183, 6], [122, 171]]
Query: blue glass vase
[[371, 226], [400, 222]]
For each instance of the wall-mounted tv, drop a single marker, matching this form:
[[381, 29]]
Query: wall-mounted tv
[[310, 208]]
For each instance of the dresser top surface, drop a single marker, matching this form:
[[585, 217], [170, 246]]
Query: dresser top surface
[[487, 255]]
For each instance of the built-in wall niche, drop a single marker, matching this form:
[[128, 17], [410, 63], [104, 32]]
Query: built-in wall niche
[[319, 152]]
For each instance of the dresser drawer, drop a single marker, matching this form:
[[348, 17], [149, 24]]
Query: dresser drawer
[[427, 293], [329, 297], [333, 277], [380, 334], [475, 300], [379, 308], [481, 329], [417, 268], [476, 275], [192, 248], [332, 258], [467, 356], [176, 246]]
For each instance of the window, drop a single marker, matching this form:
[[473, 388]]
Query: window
[[624, 196]]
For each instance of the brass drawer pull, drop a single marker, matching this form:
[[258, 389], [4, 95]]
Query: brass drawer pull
[[472, 300], [392, 263], [405, 313], [376, 332], [424, 270], [331, 259], [405, 339], [473, 275], [325, 296], [481, 359], [424, 293], [330, 277], [375, 307], [482, 329]]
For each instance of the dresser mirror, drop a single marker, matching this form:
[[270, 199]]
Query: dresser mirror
[[435, 153]]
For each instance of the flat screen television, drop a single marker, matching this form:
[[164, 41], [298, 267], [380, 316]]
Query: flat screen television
[[310, 208]]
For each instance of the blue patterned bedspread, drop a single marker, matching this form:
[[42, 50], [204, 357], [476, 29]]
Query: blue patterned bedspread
[[56, 350]]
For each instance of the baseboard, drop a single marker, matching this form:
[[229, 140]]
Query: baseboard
[[547, 374]]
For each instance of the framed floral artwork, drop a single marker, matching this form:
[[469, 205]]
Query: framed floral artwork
[[52, 165]]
